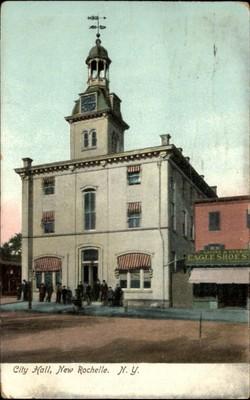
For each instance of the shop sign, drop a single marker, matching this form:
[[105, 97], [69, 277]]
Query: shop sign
[[219, 257]]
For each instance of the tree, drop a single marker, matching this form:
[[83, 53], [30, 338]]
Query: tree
[[13, 247]]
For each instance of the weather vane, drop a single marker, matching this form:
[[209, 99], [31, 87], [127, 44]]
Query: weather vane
[[98, 26]]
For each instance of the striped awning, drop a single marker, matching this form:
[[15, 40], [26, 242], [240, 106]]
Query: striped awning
[[134, 168], [134, 207], [134, 261], [44, 264], [48, 216]]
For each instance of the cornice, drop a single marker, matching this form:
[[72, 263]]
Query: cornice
[[96, 114], [71, 165]]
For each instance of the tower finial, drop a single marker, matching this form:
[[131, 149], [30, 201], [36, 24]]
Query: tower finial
[[98, 26]]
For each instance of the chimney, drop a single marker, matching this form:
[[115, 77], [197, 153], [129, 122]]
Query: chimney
[[165, 139], [188, 159], [27, 162], [214, 188], [180, 149], [202, 176]]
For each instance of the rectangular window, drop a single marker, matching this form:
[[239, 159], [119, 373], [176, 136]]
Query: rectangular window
[[89, 210], [183, 187], [48, 222], [38, 279], [184, 223], [146, 280], [248, 219], [134, 215], [134, 174], [49, 227], [49, 185], [214, 221], [135, 280], [214, 246], [191, 227], [138, 279], [173, 216], [123, 280]]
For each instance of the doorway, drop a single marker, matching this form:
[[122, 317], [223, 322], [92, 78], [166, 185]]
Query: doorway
[[89, 272]]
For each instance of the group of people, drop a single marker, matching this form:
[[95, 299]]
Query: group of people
[[83, 293]]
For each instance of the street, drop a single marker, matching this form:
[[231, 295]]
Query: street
[[36, 337]]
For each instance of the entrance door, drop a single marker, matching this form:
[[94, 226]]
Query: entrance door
[[90, 266]]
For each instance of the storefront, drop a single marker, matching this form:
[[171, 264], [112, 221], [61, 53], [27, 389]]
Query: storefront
[[220, 278]]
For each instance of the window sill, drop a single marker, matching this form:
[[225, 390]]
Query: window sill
[[135, 183], [89, 148]]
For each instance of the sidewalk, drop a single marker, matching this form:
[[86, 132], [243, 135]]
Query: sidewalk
[[97, 309]]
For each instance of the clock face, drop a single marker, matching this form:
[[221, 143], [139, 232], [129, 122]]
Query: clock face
[[88, 103]]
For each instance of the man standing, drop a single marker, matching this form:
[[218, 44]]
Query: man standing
[[58, 293]]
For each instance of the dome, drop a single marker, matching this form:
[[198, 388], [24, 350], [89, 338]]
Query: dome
[[98, 51]]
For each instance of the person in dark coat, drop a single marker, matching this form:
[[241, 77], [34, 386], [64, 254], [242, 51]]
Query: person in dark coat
[[88, 294], [25, 290], [118, 296], [104, 292], [19, 292], [49, 293], [64, 294], [69, 296], [96, 290], [110, 296], [80, 289], [58, 293], [42, 292]]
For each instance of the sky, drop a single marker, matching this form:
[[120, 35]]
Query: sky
[[179, 67]]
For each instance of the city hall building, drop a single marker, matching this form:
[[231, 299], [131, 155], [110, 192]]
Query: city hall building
[[109, 214]]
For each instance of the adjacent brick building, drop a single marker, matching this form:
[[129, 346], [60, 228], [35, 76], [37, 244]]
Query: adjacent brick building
[[220, 267]]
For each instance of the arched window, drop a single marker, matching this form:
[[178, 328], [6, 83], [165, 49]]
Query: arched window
[[93, 139], [93, 69], [115, 143], [89, 209], [85, 139]]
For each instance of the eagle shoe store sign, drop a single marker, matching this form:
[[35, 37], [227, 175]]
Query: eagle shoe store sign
[[219, 257]]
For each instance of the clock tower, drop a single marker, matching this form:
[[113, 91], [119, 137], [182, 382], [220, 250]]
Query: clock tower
[[96, 124]]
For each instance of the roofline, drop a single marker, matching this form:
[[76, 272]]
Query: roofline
[[127, 156], [223, 199], [96, 114]]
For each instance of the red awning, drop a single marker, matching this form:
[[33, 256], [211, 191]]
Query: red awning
[[134, 207], [134, 261], [44, 264], [134, 168], [48, 216]]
